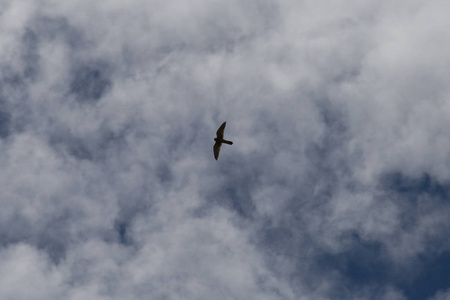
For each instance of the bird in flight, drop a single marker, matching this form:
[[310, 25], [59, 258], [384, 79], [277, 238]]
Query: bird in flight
[[219, 140]]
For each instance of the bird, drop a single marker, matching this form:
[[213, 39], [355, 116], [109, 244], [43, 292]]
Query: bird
[[219, 140]]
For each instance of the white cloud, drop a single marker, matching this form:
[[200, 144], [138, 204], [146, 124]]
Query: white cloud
[[441, 295], [27, 274], [109, 186]]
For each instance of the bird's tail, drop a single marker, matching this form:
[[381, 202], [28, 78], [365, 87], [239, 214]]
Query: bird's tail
[[227, 142]]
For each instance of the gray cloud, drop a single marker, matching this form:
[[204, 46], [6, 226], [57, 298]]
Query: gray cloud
[[336, 186]]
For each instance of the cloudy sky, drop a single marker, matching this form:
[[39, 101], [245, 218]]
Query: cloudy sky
[[337, 185]]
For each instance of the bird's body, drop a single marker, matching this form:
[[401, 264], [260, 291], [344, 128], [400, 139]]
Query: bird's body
[[223, 141], [219, 140]]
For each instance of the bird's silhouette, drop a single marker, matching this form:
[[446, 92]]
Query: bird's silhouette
[[219, 140]]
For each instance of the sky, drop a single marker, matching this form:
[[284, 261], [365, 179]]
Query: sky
[[337, 185]]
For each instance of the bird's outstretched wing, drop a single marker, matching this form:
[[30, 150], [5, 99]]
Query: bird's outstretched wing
[[217, 146], [220, 131]]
